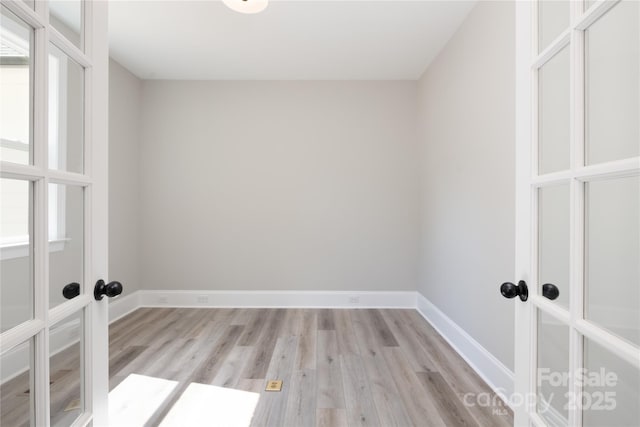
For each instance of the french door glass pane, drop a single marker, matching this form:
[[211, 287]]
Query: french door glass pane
[[16, 87], [16, 264], [612, 252], [16, 383], [66, 236], [553, 240], [553, 369], [553, 114], [613, 84], [66, 17], [553, 19], [66, 370], [66, 112], [611, 390]]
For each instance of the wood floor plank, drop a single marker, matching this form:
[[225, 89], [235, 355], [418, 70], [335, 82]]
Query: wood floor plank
[[229, 373], [254, 327], [193, 355], [292, 322], [390, 407], [451, 409], [458, 374], [331, 417], [136, 317], [271, 407], [380, 328], [347, 342], [330, 388], [326, 321], [361, 408], [123, 358], [207, 371], [253, 386], [117, 342], [197, 327], [416, 355], [162, 338], [224, 315], [182, 367], [256, 367], [160, 366], [147, 332], [185, 355], [421, 410], [143, 360], [243, 317], [306, 354], [301, 405]]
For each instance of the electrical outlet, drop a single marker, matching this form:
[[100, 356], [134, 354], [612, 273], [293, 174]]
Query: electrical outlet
[[354, 300], [163, 300], [202, 299]]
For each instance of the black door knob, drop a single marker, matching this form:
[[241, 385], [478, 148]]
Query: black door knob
[[550, 291], [72, 290], [509, 290], [110, 289]]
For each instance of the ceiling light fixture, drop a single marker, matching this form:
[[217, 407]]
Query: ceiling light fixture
[[247, 6]]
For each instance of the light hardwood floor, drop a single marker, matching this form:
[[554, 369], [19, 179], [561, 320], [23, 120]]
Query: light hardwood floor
[[339, 367]]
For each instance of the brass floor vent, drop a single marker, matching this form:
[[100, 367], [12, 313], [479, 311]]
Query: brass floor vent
[[274, 385]]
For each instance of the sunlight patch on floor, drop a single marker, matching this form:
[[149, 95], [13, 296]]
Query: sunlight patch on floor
[[206, 405], [134, 401]]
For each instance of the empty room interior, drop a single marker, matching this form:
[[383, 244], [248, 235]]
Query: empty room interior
[[320, 213]]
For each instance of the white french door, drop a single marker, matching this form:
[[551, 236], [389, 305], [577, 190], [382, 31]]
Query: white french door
[[53, 212], [577, 351]]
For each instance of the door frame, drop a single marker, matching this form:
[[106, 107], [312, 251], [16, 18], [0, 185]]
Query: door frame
[[98, 342], [528, 61]]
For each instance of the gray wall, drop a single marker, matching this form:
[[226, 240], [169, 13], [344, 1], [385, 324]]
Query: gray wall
[[466, 116], [124, 176], [279, 186]]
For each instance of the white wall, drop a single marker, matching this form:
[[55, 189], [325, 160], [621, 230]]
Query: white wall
[[125, 92], [279, 186], [466, 115]]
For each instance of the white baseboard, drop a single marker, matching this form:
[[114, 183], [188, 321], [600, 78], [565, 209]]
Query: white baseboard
[[490, 369], [279, 299], [123, 305]]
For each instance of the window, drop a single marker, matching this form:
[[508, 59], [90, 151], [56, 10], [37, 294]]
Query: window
[[15, 137]]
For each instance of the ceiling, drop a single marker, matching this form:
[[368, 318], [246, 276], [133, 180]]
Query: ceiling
[[290, 40]]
